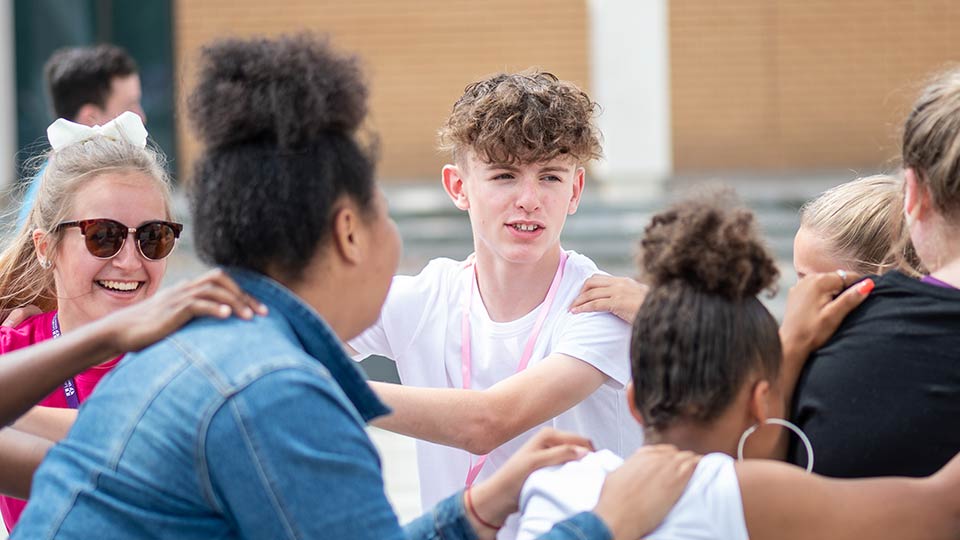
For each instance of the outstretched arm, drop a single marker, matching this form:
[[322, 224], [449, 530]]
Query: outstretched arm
[[781, 502], [481, 420]]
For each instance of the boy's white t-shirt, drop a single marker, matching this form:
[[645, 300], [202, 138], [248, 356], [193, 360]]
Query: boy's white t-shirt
[[420, 329], [709, 509]]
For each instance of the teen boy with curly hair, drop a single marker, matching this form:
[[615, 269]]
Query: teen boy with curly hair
[[486, 348]]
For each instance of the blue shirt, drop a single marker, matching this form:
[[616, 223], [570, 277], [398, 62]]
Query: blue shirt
[[235, 429]]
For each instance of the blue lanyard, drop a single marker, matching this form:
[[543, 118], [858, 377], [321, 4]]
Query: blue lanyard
[[69, 386]]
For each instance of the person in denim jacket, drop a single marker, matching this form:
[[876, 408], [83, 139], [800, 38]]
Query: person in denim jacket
[[255, 428]]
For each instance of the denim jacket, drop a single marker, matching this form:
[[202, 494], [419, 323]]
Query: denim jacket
[[235, 429]]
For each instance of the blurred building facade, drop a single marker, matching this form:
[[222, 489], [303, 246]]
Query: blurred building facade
[[688, 87], [800, 84], [37, 28], [418, 55]]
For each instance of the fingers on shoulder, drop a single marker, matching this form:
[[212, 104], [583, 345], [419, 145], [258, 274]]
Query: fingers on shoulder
[[590, 294], [216, 285], [555, 455], [597, 280], [550, 437], [850, 299], [593, 305]]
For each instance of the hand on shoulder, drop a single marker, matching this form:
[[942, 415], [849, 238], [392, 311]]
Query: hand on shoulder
[[214, 294], [618, 295], [816, 306], [15, 317]]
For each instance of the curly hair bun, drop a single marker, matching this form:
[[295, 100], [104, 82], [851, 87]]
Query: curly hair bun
[[286, 90], [710, 245]]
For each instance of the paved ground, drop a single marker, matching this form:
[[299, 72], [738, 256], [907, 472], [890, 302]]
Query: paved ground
[[399, 471]]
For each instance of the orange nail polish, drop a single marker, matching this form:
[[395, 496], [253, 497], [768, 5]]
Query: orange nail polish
[[865, 286]]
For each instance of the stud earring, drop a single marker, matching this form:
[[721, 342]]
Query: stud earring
[[45, 263]]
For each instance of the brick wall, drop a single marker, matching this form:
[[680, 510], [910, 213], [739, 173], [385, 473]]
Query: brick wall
[[800, 84], [419, 55]]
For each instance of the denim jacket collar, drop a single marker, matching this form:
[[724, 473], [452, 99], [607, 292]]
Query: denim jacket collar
[[316, 337]]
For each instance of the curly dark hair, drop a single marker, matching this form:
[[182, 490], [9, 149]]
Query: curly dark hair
[[526, 117], [701, 330], [279, 119], [76, 76]]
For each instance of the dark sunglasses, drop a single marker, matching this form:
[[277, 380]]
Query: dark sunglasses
[[104, 237]]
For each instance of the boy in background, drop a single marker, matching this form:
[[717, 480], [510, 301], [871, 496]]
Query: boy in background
[[89, 86]]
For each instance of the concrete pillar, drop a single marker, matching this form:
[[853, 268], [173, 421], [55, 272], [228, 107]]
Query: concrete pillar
[[630, 79], [8, 96]]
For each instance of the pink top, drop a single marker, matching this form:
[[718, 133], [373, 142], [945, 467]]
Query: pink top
[[34, 330]]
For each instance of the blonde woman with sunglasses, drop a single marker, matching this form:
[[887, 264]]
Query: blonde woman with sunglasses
[[95, 242]]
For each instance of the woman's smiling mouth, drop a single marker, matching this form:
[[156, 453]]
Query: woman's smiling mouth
[[119, 286]]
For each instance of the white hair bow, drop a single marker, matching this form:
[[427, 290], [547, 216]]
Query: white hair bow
[[126, 127]]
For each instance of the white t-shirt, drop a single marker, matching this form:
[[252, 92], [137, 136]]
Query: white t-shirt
[[709, 509], [420, 329]]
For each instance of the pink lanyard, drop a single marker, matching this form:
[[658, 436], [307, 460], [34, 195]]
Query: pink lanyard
[[465, 355]]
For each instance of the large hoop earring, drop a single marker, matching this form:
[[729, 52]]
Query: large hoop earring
[[780, 422]]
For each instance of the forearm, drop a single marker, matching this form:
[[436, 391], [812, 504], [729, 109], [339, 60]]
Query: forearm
[[894, 509], [47, 422], [879, 509], [481, 420], [794, 358], [20, 455], [782, 502], [27, 375], [464, 419]]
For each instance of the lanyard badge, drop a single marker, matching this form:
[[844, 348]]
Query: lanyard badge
[[465, 347], [69, 386]]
